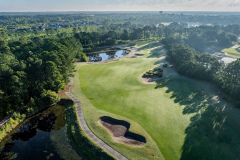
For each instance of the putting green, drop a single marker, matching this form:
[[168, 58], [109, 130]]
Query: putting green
[[180, 118], [232, 52]]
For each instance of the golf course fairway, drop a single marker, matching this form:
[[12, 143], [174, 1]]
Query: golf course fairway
[[181, 118]]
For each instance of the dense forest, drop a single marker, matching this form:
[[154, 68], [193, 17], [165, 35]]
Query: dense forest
[[35, 70], [38, 50], [106, 18], [36, 65]]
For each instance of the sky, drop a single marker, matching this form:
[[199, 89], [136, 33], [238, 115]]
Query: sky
[[118, 5]]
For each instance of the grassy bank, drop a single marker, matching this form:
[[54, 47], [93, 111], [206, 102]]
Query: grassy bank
[[86, 148], [9, 127], [181, 117]]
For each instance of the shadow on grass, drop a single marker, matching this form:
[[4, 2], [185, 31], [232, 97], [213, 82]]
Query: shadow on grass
[[137, 54], [150, 45], [157, 52], [212, 132], [213, 47], [75, 133]]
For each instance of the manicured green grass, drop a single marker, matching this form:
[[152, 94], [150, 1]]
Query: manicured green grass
[[92, 114], [232, 52], [86, 147], [185, 118]]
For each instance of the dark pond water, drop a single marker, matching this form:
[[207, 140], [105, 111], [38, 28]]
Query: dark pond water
[[42, 137], [103, 56]]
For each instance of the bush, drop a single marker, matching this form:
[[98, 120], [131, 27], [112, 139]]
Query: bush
[[30, 110], [49, 97], [110, 42], [11, 122], [238, 49], [165, 65], [158, 70], [148, 73], [32, 102], [155, 71], [81, 57], [17, 116]]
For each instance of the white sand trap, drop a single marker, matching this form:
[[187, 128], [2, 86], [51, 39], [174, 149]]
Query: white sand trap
[[118, 129]]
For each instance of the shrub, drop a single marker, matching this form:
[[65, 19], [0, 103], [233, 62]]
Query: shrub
[[49, 97], [30, 110], [17, 116], [32, 102], [238, 49], [148, 73], [158, 69], [11, 122], [110, 41], [155, 71]]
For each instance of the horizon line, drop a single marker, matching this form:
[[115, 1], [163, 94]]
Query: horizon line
[[116, 11]]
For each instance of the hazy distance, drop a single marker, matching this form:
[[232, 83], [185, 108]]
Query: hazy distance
[[118, 5]]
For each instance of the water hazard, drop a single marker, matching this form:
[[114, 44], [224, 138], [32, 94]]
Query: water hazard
[[43, 136], [103, 56]]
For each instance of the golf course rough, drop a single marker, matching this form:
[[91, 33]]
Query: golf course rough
[[181, 118]]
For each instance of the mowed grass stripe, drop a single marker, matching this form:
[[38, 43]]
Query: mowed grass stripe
[[170, 111], [113, 87], [232, 52]]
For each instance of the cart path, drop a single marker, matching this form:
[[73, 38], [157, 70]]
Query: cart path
[[85, 128]]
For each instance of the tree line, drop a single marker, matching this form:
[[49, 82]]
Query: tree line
[[34, 69], [32, 72], [32, 66], [203, 66]]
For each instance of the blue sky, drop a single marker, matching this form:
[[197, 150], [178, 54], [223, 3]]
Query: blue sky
[[119, 5]]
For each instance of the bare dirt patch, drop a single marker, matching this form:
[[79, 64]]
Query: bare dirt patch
[[119, 130], [150, 80]]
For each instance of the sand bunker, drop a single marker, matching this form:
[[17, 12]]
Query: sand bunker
[[150, 80], [119, 131]]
